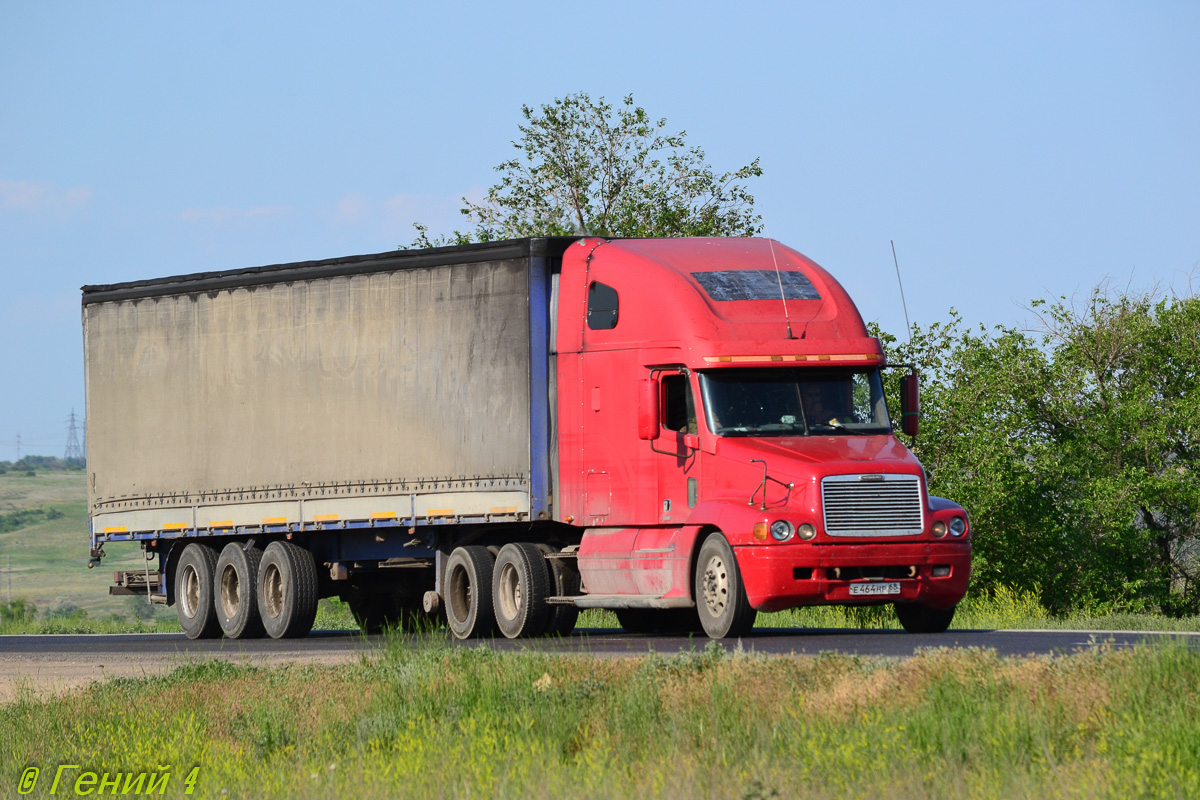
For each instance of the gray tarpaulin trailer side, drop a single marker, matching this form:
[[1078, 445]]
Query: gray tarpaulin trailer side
[[377, 408]]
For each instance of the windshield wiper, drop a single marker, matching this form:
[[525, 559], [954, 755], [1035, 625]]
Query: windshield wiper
[[833, 423]]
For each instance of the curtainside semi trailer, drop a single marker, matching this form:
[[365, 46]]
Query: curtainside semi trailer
[[686, 431]]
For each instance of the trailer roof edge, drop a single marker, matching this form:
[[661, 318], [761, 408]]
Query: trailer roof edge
[[327, 268]]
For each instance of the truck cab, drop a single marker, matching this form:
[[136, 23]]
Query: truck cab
[[724, 440]]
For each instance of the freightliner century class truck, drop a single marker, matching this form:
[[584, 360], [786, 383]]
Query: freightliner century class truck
[[686, 431]]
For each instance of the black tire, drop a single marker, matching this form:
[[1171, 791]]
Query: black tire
[[564, 582], [194, 592], [235, 595], [379, 611], [917, 618], [721, 600], [467, 592], [520, 586], [287, 590]]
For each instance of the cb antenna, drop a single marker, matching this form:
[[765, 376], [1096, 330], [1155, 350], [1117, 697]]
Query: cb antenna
[[779, 279], [896, 261]]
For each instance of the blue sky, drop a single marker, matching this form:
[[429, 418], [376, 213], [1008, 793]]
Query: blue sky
[[1012, 150]]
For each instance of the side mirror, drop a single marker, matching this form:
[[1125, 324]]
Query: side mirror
[[648, 411], [910, 404]]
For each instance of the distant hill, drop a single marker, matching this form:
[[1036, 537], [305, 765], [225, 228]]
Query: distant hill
[[44, 535]]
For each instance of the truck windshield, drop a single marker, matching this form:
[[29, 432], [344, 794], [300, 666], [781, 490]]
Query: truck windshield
[[789, 401]]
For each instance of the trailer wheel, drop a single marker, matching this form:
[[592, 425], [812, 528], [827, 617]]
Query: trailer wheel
[[520, 586], [720, 594], [917, 618], [287, 590], [194, 592], [235, 597], [564, 582], [468, 592]]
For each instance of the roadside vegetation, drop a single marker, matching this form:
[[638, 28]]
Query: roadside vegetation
[[431, 720]]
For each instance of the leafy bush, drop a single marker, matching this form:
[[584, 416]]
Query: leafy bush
[[1075, 449], [17, 611]]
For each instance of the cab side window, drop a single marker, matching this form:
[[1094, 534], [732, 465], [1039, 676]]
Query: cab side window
[[679, 413], [602, 307]]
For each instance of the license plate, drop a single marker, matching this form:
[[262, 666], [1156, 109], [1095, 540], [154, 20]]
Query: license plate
[[859, 589]]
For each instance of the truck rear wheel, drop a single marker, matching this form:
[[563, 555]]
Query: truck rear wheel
[[520, 586], [564, 582], [236, 598], [917, 618], [468, 592], [194, 592], [720, 594], [287, 590]]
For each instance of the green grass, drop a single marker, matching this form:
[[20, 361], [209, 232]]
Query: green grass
[[49, 555], [434, 721]]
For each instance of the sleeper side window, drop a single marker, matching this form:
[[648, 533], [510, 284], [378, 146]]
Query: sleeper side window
[[602, 307]]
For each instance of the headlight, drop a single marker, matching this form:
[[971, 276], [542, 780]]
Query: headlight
[[939, 529], [781, 530], [958, 526], [806, 531]]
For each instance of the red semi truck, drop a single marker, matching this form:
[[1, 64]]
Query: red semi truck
[[686, 431]]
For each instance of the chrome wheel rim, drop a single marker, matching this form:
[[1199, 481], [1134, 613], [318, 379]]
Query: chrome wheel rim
[[189, 598], [273, 591], [715, 586], [458, 596], [231, 592], [509, 592]]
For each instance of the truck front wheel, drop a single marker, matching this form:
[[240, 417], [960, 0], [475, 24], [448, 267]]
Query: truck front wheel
[[194, 592], [468, 592], [720, 595], [917, 618], [287, 590]]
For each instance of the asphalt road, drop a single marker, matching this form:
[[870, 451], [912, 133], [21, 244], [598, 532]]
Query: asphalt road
[[321, 645]]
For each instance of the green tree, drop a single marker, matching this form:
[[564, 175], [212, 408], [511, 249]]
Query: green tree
[[1074, 448], [586, 168]]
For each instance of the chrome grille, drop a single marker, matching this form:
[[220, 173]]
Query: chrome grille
[[872, 505]]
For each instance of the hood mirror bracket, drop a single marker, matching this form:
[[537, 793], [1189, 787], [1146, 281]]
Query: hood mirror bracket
[[762, 486]]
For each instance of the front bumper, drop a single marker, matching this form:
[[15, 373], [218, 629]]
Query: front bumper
[[785, 576]]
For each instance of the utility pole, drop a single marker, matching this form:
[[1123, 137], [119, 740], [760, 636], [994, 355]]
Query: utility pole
[[8, 569], [18, 447]]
